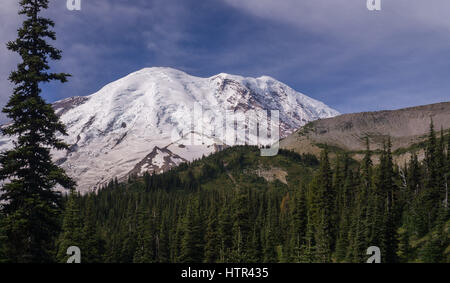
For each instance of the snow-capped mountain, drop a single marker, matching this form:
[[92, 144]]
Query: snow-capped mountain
[[128, 126]]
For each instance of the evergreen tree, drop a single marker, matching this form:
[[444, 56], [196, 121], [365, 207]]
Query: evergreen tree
[[307, 253], [270, 250], [226, 239], [403, 250], [128, 241], [325, 201], [367, 166], [253, 220], [144, 252], [391, 215], [31, 206], [241, 226], [175, 246], [2, 241], [93, 246], [271, 230], [381, 210], [414, 178], [416, 216], [432, 250], [342, 242], [212, 246], [192, 242], [359, 230], [163, 241], [431, 195], [299, 225], [72, 228], [256, 251]]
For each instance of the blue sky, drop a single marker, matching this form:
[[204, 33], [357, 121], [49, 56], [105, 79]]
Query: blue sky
[[332, 50]]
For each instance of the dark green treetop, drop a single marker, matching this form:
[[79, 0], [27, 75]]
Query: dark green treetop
[[31, 206]]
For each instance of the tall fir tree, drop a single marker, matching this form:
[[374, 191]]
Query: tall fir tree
[[326, 196], [342, 242], [298, 225], [431, 194], [31, 206], [359, 230], [442, 167], [192, 243], [92, 246], [270, 233], [241, 226], [212, 240], [128, 237], [256, 251], [145, 250], [226, 239], [391, 214], [416, 215], [270, 250], [163, 240], [71, 228]]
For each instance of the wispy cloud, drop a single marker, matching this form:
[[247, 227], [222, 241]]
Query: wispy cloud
[[336, 51], [366, 60]]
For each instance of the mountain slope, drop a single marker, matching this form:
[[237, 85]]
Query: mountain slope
[[114, 131], [406, 127]]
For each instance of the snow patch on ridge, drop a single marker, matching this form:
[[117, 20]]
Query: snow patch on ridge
[[115, 129]]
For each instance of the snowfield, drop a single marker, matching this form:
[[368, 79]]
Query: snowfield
[[113, 130]]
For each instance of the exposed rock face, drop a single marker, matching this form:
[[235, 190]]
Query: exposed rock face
[[405, 127], [158, 161]]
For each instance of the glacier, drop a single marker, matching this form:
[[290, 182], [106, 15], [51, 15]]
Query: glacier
[[113, 132]]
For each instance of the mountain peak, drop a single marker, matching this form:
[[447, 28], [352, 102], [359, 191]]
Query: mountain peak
[[127, 126], [165, 70]]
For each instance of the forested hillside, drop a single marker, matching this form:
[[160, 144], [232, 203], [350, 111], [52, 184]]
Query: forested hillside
[[236, 206]]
